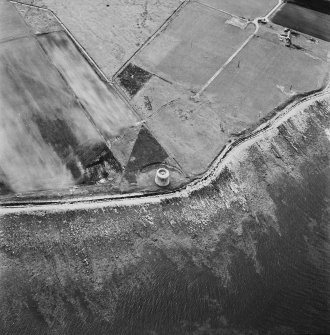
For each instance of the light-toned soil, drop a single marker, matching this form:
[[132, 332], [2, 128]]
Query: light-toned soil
[[249, 9], [47, 139], [235, 255], [110, 114], [111, 31], [62, 125], [39, 21], [198, 41]]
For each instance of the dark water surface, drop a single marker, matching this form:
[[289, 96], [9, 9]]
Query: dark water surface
[[312, 18], [271, 277]]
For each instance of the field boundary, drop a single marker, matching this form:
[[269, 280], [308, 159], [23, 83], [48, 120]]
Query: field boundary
[[245, 43], [75, 202], [205, 180]]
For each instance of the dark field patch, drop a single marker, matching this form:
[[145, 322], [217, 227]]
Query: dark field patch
[[4, 188], [56, 114], [306, 20], [206, 264], [98, 162], [193, 47], [322, 6], [58, 134], [107, 110], [132, 78], [94, 154], [146, 151]]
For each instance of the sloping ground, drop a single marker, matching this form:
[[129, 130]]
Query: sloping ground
[[247, 254]]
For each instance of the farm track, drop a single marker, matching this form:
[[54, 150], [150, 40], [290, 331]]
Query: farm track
[[139, 198], [204, 180]]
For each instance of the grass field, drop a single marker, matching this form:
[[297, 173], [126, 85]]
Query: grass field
[[248, 9], [193, 47], [63, 126], [191, 132], [264, 75], [304, 20], [111, 31], [47, 141], [155, 96], [60, 125]]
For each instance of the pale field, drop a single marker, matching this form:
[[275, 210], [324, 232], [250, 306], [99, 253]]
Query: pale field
[[111, 31], [249, 9]]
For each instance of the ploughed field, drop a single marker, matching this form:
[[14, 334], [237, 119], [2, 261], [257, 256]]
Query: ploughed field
[[212, 75], [78, 119], [247, 254], [61, 125], [308, 17]]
